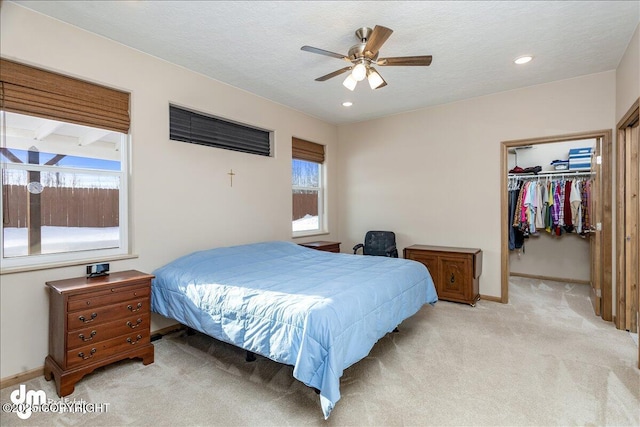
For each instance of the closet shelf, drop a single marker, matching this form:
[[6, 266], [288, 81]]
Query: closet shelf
[[552, 173]]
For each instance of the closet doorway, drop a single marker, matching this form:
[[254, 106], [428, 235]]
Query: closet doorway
[[598, 255]]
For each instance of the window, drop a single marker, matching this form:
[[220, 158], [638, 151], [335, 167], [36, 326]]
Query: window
[[195, 128], [307, 183], [63, 157], [61, 200]]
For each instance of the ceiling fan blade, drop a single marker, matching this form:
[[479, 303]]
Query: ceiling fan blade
[[335, 73], [323, 52], [379, 35], [406, 60]]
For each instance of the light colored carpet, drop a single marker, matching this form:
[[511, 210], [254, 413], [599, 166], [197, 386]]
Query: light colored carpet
[[542, 359]]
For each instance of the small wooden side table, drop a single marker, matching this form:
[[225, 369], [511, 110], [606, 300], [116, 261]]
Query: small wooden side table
[[455, 271], [322, 245], [94, 322]]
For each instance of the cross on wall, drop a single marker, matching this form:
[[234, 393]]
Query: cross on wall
[[231, 174]]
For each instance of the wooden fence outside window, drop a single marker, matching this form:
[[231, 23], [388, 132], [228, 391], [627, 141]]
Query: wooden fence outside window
[[63, 207]]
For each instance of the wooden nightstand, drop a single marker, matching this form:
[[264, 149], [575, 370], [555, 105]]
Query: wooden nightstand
[[455, 271], [94, 322], [323, 246]]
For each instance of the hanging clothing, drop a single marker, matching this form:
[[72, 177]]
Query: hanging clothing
[[557, 205], [575, 199], [548, 221], [516, 237], [540, 205], [568, 214], [586, 206], [558, 209]]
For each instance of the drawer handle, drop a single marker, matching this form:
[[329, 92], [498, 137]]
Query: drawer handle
[[130, 307], [81, 354], [82, 337], [452, 279], [132, 342], [84, 319], [132, 326]]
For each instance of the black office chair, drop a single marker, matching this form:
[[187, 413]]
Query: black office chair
[[378, 243]]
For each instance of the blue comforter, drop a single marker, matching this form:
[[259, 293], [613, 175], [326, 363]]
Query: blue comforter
[[318, 311]]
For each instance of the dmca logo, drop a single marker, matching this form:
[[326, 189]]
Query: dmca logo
[[25, 402]]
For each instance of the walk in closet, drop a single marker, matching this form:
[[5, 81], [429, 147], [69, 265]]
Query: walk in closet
[[550, 212], [557, 193]]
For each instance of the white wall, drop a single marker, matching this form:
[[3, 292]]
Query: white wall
[[181, 200], [433, 175], [628, 76]]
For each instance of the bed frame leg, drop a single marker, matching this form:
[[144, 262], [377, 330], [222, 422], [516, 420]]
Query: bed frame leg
[[250, 357], [396, 329]]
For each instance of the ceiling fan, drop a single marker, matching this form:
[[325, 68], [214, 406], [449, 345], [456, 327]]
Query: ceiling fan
[[364, 55]]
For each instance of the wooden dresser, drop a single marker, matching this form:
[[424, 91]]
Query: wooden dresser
[[455, 271], [94, 322], [323, 246]]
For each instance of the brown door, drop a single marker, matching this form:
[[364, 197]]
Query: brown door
[[627, 220], [595, 221], [632, 252], [631, 216]]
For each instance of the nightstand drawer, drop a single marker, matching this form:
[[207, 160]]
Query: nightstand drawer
[[97, 299], [103, 349], [107, 331], [99, 315]]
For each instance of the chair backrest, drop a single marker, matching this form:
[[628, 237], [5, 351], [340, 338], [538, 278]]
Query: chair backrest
[[377, 242]]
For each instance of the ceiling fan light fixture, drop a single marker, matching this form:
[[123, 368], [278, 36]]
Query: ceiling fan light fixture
[[359, 72], [350, 83], [363, 55], [375, 80]]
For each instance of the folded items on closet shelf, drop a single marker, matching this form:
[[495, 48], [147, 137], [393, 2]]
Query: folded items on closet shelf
[[580, 158], [560, 164], [533, 169]]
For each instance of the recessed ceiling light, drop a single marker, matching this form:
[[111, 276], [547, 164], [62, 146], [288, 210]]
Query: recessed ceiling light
[[523, 59], [347, 104]]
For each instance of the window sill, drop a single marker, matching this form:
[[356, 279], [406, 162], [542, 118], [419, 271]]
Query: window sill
[[310, 234], [24, 269]]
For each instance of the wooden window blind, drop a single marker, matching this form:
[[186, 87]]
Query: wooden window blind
[[32, 91], [195, 128], [306, 150]]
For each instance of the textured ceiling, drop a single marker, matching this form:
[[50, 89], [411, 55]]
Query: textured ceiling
[[255, 45]]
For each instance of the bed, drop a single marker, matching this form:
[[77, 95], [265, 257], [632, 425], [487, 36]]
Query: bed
[[320, 312]]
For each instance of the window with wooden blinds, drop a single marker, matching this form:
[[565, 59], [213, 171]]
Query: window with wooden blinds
[[36, 92], [197, 128], [306, 150]]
